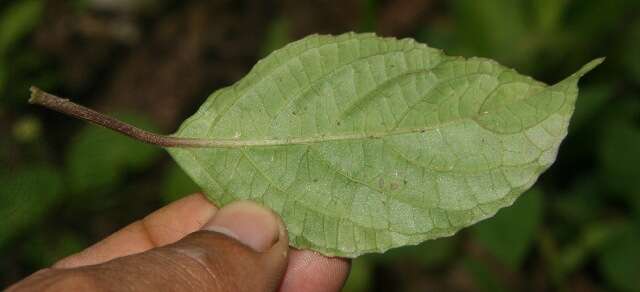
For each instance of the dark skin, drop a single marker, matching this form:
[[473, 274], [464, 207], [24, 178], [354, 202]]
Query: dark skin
[[190, 245]]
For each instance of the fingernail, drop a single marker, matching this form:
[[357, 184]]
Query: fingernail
[[248, 222]]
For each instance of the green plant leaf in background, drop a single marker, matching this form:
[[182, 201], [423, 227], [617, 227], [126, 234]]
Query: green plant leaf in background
[[510, 234], [620, 171], [44, 249], [17, 21], [497, 28], [177, 184], [484, 279], [277, 36], [620, 259], [580, 204], [25, 197], [3, 78], [592, 101], [427, 255], [364, 143], [359, 276], [630, 56], [98, 158]]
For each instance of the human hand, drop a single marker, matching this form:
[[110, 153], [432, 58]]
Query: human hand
[[190, 245]]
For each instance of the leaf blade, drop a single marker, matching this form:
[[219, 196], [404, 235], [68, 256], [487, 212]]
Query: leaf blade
[[364, 143]]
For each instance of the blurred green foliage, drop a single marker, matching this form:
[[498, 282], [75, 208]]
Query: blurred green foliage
[[277, 35], [485, 280], [17, 21], [99, 159], [177, 184], [509, 235], [65, 185], [26, 196], [619, 260]]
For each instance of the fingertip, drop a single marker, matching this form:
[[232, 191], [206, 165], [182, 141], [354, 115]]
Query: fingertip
[[311, 271], [260, 229], [248, 222]]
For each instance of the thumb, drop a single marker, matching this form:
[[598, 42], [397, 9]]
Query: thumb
[[242, 248]]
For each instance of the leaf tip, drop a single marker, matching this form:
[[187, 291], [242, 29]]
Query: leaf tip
[[588, 67]]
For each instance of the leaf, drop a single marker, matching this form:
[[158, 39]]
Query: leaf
[[3, 78], [26, 196], [620, 156], [17, 21], [45, 248], [580, 204], [498, 28], [593, 237], [630, 56], [277, 36], [548, 13], [98, 158], [364, 143], [430, 254], [620, 260], [593, 99], [507, 241], [177, 184], [360, 276], [484, 279]]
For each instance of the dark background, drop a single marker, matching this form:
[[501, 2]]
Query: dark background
[[65, 184]]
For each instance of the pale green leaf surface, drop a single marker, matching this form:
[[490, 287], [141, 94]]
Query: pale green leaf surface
[[364, 143]]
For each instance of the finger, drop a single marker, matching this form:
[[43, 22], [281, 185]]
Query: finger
[[164, 226], [243, 248], [310, 271]]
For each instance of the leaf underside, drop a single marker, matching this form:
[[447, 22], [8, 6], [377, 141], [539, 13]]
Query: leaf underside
[[363, 143]]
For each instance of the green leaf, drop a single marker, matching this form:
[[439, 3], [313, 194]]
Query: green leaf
[[369, 16], [620, 260], [509, 235], [44, 249], [592, 238], [25, 197], [177, 184], [3, 79], [17, 20], [620, 157], [592, 100], [580, 204], [98, 158], [498, 28], [359, 276], [430, 254], [364, 143], [630, 57], [484, 279], [548, 13], [277, 36]]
